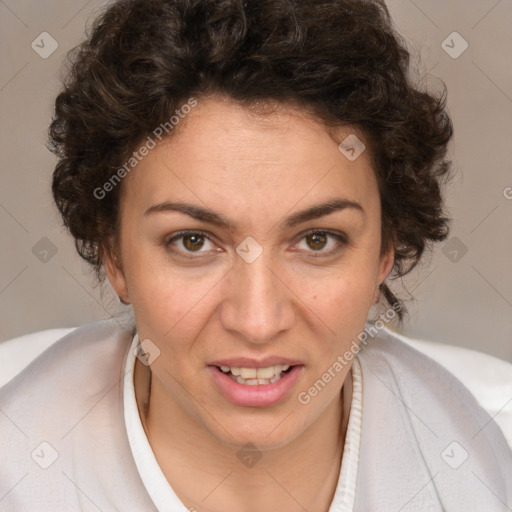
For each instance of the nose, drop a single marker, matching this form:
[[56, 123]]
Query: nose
[[258, 304]]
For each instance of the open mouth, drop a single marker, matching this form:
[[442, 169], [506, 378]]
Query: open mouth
[[256, 387], [255, 376]]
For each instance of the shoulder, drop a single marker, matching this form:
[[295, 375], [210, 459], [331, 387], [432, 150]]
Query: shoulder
[[87, 353], [465, 372], [434, 374], [61, 421], [417, 413], [488, 378], [64, 380]]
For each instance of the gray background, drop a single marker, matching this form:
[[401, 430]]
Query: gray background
[[463, 292]]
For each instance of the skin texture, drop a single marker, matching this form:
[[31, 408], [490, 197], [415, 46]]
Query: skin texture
[[255, 171]]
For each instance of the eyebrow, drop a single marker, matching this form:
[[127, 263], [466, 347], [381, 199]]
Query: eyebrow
[[218, 219]]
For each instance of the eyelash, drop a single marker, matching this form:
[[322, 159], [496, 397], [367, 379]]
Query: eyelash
[[341, 238]]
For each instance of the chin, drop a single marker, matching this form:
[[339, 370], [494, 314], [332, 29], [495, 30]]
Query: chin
[[264, 433]]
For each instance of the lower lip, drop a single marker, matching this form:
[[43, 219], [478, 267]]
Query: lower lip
[[260, 395]]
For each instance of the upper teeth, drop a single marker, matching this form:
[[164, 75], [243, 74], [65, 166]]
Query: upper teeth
[[256, 373]]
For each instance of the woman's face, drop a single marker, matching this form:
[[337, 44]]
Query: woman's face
[[249, 278]]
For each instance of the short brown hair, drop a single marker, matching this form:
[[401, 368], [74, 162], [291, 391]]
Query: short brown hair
[[342, 59]]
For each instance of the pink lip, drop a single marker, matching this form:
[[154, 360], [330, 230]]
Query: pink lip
[[261, 395], [248, 362]]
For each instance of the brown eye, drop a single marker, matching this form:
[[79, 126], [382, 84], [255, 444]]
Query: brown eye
[[193, 242], [189, 242], [322, 243], [317, 241]]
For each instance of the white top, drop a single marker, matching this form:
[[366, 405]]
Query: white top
[[71, 438], [162, 493]]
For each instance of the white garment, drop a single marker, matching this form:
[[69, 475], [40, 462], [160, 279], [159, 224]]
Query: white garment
[[66, 412]]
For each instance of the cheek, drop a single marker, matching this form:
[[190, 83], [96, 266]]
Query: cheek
[[342, 298], [344, 301], [167, 302]]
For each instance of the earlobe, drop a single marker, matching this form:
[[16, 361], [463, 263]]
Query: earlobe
[[386, 264], [115, 275]]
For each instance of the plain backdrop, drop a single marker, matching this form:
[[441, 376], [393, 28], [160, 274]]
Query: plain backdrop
[[462, 293]]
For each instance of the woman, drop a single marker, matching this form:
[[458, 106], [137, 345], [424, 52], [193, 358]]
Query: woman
[[248, 176]]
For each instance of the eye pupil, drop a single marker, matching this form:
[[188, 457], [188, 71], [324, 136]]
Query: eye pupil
[[197, 241], [317, 239]]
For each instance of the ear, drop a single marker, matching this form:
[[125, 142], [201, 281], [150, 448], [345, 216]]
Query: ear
[[115, 275], [387, 261]]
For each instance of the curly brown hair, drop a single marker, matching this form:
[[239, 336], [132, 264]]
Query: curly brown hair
[[342, 60]]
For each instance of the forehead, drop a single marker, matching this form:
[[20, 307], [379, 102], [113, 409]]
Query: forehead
[[224, 154]]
